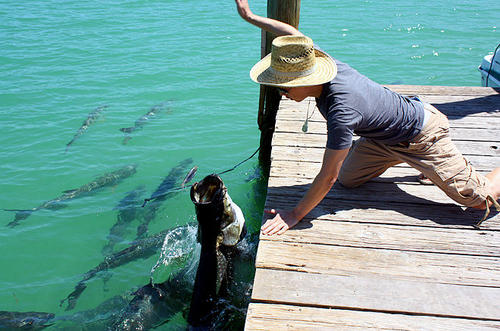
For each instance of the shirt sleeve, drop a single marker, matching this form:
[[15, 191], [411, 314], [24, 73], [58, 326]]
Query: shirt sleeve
[[340, 126]]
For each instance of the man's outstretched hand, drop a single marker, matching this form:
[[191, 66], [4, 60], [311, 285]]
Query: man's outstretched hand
[[280, 223]]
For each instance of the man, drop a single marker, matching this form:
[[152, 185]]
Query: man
[[393, 128]]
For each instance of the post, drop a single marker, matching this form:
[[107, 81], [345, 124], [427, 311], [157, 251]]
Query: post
[[285, 11]]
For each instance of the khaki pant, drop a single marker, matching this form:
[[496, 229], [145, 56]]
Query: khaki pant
[[431, 152]]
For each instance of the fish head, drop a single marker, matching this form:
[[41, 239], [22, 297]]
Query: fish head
[[218, 216], [208, 198]]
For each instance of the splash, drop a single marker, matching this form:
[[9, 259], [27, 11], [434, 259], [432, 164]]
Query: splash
[[177, 247]]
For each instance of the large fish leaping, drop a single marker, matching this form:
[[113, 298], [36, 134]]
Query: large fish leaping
[[93, 116], [221, 226], [108, 179]]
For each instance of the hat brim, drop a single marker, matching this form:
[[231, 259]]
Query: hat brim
[[325, 70]]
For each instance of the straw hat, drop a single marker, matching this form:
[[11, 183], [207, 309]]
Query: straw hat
[[294, 62]]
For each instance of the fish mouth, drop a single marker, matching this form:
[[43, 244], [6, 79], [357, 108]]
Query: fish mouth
[[208, 191]]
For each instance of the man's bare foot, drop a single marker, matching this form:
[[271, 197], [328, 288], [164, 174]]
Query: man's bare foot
[[494, 177]]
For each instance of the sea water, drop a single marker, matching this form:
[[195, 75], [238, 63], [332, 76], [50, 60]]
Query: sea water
[[60, 60]]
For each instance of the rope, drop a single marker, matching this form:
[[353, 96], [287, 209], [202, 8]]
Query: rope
[[185, 186]]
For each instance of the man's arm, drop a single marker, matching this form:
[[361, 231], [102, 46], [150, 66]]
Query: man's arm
[[268, 24], [284, 220]]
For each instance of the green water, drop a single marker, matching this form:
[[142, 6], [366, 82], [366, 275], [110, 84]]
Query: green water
[[62, 59]]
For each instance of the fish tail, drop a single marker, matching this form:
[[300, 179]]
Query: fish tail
[[21, 214], [126, 139], [13, 223]]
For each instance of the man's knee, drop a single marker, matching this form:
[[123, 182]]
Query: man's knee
[[347, 182]]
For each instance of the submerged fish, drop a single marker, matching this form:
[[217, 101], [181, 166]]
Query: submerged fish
[[155, 304], [128, 209], [143, 248], [139, 123], [24, 320], [221, 226], [93, 116], [108, 179], [161, 193]]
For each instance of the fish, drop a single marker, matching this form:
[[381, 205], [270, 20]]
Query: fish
[[25, 320], [161, 193], [128, 210], [139, 123], [221, 226], [142, 248], [107, 179], [155, 304], [189, 176], [92, 117]]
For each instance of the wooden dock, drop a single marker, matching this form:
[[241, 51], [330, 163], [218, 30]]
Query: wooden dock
[[391, 254]]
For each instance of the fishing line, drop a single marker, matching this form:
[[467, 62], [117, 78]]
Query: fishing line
[[186, 186], [228, 170]]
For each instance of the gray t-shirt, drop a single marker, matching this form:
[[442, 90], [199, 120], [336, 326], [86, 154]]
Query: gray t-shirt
[[352, 103]]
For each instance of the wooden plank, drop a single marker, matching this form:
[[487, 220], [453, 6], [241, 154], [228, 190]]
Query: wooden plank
[[346, 261], [402, 238], [393, 213], [483, 148], [443, 90], [401, 174], [263, 316], [457, 134], [376, 294], [298, 112], [315, 155], [460, 106], [370, 191]]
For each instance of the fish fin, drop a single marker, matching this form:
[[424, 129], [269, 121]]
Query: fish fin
[[127, 130], [18, 210], [70, 191]]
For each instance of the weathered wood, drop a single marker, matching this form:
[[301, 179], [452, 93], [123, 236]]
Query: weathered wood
[[483, 148], [404, 265], [401, 174], [443, 90], [287, 11], [315, 155], [298, 111], [376, 294], [485, 106], [394, 237], [457, 134], [264, 316], [370, 191], [392, 213]]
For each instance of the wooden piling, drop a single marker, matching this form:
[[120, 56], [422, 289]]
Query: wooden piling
[[285, 11]]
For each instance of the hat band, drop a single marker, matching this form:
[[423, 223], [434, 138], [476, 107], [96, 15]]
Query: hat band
[[293, 73]]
